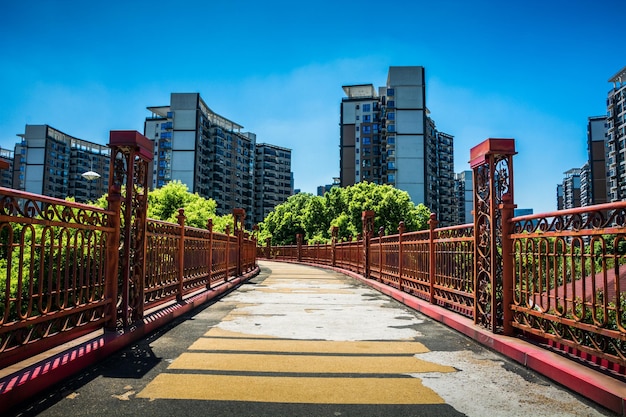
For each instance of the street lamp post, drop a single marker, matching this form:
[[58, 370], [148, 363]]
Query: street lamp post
[[90, 176]]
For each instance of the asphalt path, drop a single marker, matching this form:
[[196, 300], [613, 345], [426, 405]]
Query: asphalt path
[[304, 341]]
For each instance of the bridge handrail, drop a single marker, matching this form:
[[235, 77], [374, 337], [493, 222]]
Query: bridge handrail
[[55, 277], [568, 271]]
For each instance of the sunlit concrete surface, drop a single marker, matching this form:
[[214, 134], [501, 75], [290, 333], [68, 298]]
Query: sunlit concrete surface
[[304, 341]]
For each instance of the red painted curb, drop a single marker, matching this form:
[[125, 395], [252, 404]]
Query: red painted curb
[[23, 384]]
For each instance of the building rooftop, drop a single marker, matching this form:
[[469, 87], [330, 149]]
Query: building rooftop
[[360, 90], [620, 77]]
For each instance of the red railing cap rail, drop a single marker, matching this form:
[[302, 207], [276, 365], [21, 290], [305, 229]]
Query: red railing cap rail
[[573, 211], [50, 200], [134, 139], [491, 146]]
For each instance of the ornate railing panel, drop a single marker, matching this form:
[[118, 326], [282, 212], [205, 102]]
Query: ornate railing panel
[[52, 269], [349, 255], [162, 266], [197, 269], [570, 278], [454, 268], [389, 255], [414, 278]]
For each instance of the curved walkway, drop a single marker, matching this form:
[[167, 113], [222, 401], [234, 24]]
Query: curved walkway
[[303, 341]]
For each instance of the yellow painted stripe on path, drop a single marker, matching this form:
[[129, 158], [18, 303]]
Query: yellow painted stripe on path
[[305, 363], [305, 290], [307, 346], [290, 389], [219, 332]]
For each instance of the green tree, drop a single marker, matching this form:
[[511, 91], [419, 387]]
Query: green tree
[[164, 202], [342, 207]]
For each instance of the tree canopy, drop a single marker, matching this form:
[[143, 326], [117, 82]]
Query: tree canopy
[[164, 202], [314, 216]]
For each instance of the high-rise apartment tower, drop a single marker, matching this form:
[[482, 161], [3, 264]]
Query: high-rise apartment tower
[[50, 162], [616, 137], [386, 137], [212, 156]]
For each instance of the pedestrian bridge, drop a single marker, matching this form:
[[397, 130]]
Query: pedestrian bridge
[[79, 283], [302, 340]]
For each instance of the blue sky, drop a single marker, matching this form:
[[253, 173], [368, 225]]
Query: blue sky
[[529, 70]]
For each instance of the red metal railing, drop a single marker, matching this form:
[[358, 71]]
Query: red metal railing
[[568, 272], [55, 275], [53, 271], [569, 278]]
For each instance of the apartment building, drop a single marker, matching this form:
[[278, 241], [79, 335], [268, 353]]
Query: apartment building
[[205, 151], [463, 197], [569, 193], [6, 175], [272, 179], [593, 176], [616, 138], [211, 155], [387, 137], [50, 162]]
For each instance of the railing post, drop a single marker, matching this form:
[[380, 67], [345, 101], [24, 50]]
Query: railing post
[[381, 233], [112, 253], [255, 230], [209, 226], [333, 248], [268, 247], [131, 152], [492, 163], [299, 243], [507, 208], [239, 215], [432, 265], [401, 229], [227, 230], [367, 219], [181, 254]]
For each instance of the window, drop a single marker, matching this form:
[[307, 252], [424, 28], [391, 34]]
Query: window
[[366, 141], [357, 117], [391, 178], [366, 129], [390, 92], [367, 107], [366, 118], [391, 116], [391, 104], [391, 165]]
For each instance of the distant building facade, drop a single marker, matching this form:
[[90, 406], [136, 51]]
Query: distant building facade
[[323, 189], [463, 197], [386, 137], [272, 179], [616, 138], [209, 153], [568, 193], [50, 162], [593, 176], [6, 175]]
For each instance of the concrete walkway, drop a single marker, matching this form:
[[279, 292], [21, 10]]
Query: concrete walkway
[[305, 341]]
